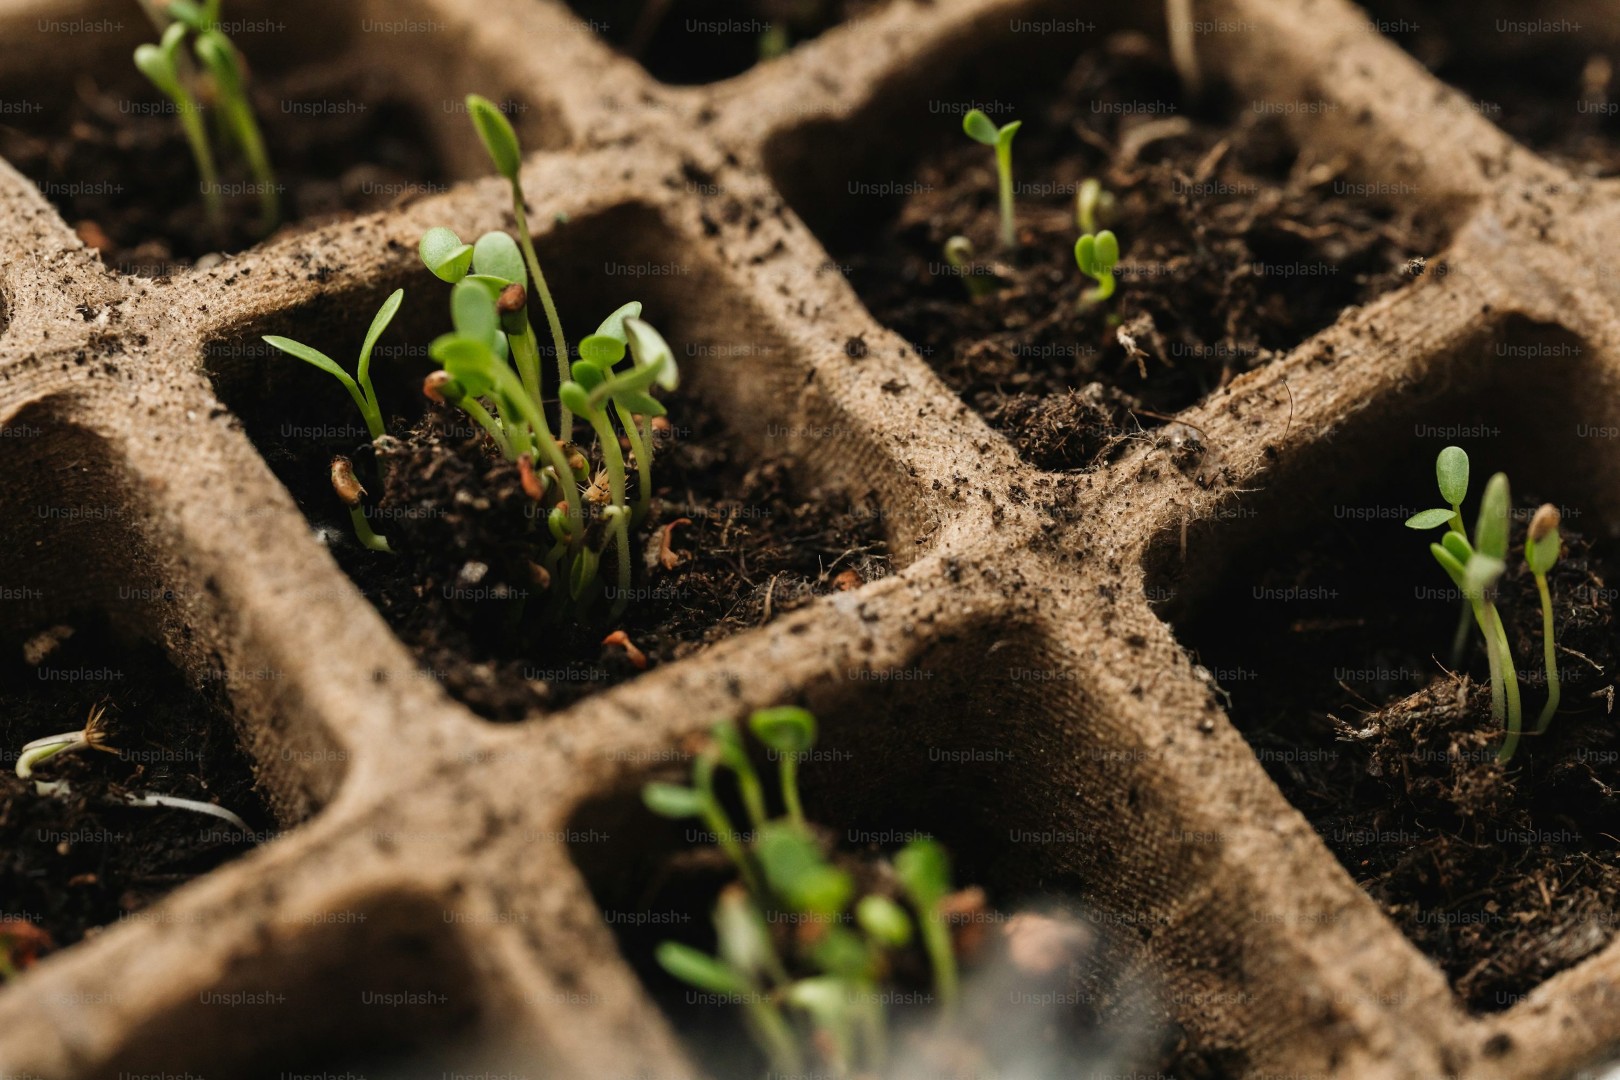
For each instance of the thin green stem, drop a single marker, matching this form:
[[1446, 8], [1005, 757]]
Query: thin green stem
[[536, 416], [1494, 658], [641, 447], [245, 129], [937, 942], [1009, 229], [790, 788], [622, 572], [476, 410], [1510, 676], [196, 131], [1549, 655], [775, 1035], [526, 357], [362, 530], [565, 423]]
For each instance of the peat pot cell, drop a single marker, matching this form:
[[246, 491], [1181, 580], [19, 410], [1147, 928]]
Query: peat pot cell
[[702, 41], [378, 987], [80, 858], [1329, 630], [109, 151], [1235, 244], [734, 537], [1545, 79], [940, 748]]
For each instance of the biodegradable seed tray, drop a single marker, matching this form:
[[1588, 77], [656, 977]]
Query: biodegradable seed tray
[[440, 884]]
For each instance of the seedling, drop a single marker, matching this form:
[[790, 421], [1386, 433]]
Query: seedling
[[959, 253], [93, 736], [175, 75], [1541, 551], [821, 999], [502, 144], [1475, 568], [980, 128], [358, 386], [1093, 205], [1097, 255], [349, 490]]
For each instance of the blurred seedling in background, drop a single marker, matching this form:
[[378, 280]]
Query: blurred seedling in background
[[93, 736], [1093, 206], [1097, 255], [221, 82], [980, 128], [810, 1000], [959, 255]]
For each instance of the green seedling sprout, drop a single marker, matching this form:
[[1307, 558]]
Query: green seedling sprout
[[1541, 551], [959, 253], [1474, 569], [176, 77], [980, 128], [924, 870], [160, 63], [93, 736], [349, 490], [790, 732], [831, 984], [359, 385], [502, 144], [1097, 255], [224, 63], [1093, 205], [1451, 474]]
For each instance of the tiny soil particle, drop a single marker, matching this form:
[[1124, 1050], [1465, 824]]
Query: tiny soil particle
[[116, 165], [1234, 247], [68, 865], [1503, 875], [463, 594], [702, 41]]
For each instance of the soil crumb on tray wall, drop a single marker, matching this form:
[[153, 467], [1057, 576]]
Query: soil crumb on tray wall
[[113, 160], [70, 864], [1234, 247]]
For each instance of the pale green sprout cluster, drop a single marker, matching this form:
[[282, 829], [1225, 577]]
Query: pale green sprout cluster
[[1096, 252], [174, 72], [1475, 569], [836, 1014], [489, 312], [491, 369]]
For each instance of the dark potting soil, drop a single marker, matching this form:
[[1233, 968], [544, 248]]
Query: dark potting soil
[[1234, 247], [701, 41], [69, 865], [1503, 875], [462, 595], [1555, 91], [114, 162]]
